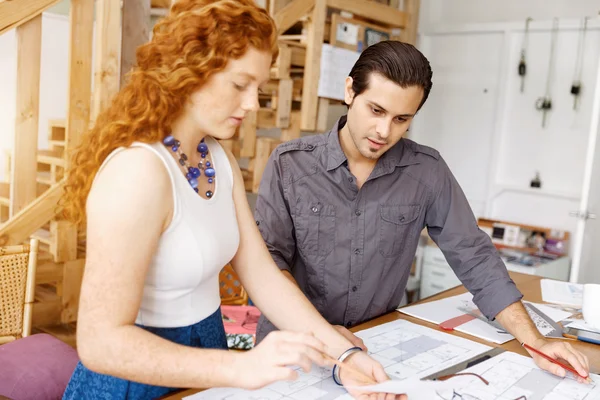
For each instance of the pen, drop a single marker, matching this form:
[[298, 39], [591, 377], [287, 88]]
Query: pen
[[552, 360]]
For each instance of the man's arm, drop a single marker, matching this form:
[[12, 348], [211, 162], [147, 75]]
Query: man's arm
[[516, 320], [475, 260], [273, 216], [469, 251]]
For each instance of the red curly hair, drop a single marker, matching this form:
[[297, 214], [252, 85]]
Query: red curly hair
[[195, 40]]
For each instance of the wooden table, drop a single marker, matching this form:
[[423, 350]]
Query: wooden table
[[529, 285]]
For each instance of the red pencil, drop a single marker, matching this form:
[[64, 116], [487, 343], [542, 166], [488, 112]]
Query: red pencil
[[552, 360]]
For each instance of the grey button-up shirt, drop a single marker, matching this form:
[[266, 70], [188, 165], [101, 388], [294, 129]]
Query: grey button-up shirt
[[351, 250]]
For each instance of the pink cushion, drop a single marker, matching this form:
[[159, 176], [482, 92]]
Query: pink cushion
[[36, 367]]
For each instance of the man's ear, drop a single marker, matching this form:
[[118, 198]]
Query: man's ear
[[348, 92]]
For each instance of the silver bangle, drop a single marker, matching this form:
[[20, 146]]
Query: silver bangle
[[345, 355]]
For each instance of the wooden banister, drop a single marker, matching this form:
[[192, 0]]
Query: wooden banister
[[23, 224], [16, 12]]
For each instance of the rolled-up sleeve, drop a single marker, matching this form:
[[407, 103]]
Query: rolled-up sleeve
[[469, 251], [273, 217]]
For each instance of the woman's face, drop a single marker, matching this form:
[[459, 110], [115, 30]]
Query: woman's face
[[219, 106]]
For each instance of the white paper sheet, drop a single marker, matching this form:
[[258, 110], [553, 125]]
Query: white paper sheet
[[581, 325], [416, 389], [336, 64], [406, 350], [511, 375], [442, 310], [558, 292]]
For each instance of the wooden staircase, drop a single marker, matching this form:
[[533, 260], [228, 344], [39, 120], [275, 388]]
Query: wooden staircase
[[61, 249]]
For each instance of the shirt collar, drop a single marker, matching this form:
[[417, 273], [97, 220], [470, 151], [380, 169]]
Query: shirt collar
[[401, 155]]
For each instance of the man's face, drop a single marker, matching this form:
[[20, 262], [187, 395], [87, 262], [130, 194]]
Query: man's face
[[379, 116]]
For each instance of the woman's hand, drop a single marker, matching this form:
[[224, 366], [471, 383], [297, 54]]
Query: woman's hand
[[273, 358], [364, 363]]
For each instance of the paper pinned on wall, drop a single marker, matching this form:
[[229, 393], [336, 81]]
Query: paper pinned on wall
[[347, 33], [336, 64]]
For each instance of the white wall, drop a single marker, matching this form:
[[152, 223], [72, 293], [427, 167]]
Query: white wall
[[457, 12], [487, 130], [53, 80]]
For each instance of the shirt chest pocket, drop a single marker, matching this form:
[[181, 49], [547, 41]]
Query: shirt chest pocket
[[315, 228], [396, 228]]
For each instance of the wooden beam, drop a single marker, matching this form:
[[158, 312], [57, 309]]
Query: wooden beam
[[63, 243], [312, 66], [371, 10], [284, 103], [264, 147], [276, 5], [24, 161], [265, 119], [161, 3], [23, 224], [290, 14], [72, 277], [80, 71], [108, 35], [136, 31], [248, 135], [323, 115], [409, 33], [46, 312], [14, 13], [293, 131]]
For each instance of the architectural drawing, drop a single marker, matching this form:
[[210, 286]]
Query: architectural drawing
[[511, 375], [405, 350]]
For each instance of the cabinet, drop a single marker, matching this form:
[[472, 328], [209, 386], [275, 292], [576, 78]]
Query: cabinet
[[437, 275]]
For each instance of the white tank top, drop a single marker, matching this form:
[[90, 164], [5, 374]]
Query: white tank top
[[182, 285]]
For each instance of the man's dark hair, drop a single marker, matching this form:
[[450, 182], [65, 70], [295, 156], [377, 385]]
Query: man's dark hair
[[399, 62]]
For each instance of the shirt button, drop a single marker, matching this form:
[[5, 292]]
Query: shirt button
[[354, 288], [356, 251], [315, 209], [257, 223], [350, 180], [348, 324], [357, 212]]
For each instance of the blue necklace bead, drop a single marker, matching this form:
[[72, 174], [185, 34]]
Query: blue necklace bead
[[209, 172], [202, 148], [195, 172], [169, 140]]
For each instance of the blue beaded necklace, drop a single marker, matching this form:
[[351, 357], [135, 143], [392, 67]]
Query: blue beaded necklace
[[193, 173]]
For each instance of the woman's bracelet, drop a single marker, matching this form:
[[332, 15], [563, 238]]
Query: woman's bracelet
[[336, 370]]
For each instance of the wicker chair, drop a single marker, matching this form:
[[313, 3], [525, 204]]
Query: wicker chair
[[231, 290], [17, 288]]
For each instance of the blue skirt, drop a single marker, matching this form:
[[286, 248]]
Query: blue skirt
[[85, 384]]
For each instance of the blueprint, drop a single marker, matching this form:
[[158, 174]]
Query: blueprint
[[511, 375], [405, 350]]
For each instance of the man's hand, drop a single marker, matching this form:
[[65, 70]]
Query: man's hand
[[516, 320], [371, 368], [560, 350], [355, 340]]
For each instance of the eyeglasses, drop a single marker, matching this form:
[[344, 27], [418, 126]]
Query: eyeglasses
[[464, 396]]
